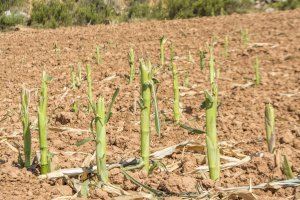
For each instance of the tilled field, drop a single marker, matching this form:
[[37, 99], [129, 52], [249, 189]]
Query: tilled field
[[274, 39]]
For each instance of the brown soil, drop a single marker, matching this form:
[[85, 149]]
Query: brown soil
[[24, 54]]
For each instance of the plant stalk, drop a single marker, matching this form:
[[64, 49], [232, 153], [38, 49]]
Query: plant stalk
[[145, 115], [100, 122], [131, 63], [270, 126], [90, 89], [42, 124], [176, 108], [213, 153], [26, 126], [162, 42]]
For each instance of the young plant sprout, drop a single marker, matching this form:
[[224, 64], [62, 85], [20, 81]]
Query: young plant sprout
[[176, 108], [75, 80], [257, 72], [90, 89], [79, 77], [162, 42], [190, 58], [131, 64], [98, 56], [26, 126], [213, 153], [226, 44], [202, 55], [147, 88], [73, 77], [270, 126], [145, 114], [245, 36], [212, 72], [287, 168], [186, 82], [100, 120], [210, 105], [42, 125]]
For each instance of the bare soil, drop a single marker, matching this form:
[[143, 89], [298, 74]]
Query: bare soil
[[25, 53]]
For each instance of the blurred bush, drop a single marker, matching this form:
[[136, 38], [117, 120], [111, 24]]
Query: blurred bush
[[286, 4], [55, 13]]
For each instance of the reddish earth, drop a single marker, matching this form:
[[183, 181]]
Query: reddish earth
[[24, 54]]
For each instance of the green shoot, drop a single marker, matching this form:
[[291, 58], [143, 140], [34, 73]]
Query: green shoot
[[186, 82], [152, 83], [74, 107], [79, 77], [131, 63], [287, 168], [73, 77], [90, 89], [145, 115], [98, 56], [213, 153], [75, 80], [245, 37], [176, 108], [42, 124], [202, 55], [270, 126], [190, 58], [211, 109], [100, 122], [26, 126], [226, 44], [162, 42], [212, 72], [257, 71]]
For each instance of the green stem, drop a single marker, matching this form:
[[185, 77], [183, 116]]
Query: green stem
[[131, 63], [257, 72], [26, 127], [163, 40], [42, 123], [270, 126], [90, 89], [213, 153], [212, 73], [176, 108], [287, 168], [145, 115], [98, 57], [101, 141]]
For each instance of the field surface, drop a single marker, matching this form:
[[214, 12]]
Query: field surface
[[274, 39]]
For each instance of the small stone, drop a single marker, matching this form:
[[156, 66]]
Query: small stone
[[64, 118], [65, 190], [296, 144], [207, 183], [286, 139]]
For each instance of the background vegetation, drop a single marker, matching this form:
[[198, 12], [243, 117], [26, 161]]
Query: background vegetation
[[55, 13]]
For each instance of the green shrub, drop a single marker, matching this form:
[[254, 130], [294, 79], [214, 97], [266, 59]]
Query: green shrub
[[52, 14], [11, 20], [139, 9], [93, 12], [286, 5]]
